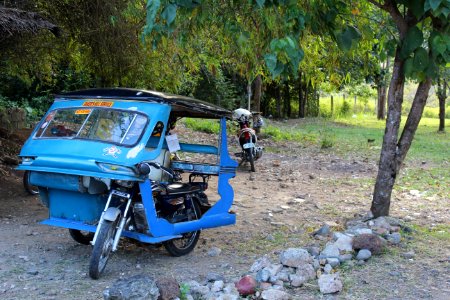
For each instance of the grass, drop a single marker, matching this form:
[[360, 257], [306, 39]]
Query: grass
[[362, 136], [203, 125]]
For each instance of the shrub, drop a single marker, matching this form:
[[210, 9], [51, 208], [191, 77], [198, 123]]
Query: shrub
[[344, 110]]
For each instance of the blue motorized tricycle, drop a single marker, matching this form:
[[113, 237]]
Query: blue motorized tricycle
[[101, 159]]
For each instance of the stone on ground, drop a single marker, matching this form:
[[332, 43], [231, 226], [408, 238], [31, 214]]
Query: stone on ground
[[246, 286], [331, 250], [168, 288], [363, 254], [370, 242], [138, 287], [330, 283], [273, 294], [294, 257]]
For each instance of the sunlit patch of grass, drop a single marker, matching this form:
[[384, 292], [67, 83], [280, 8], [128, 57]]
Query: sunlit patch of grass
[[203, 125], [434, 180]]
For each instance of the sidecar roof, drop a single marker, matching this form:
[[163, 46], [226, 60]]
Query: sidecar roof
[[182, 106]]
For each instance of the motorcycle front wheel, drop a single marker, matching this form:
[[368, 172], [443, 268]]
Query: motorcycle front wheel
[[251, 159], [187, 243], [31, 189], [102, 248]]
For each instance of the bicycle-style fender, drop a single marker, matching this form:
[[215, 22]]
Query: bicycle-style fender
[[111, 214]]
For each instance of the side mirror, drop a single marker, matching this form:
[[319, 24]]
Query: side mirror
[[143, 168]]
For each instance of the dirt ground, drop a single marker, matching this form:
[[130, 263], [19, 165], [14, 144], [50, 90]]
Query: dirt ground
[[292, 193]]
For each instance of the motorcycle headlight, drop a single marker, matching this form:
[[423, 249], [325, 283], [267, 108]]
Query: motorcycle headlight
[[125, 183], [111, 168]]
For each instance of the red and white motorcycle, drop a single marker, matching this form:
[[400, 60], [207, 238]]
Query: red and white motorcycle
[[247, 138]]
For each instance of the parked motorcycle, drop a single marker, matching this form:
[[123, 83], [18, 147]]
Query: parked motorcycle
[[104, 171], [247, 138]]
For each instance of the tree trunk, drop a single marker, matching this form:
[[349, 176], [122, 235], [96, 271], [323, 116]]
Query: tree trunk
[[442, 95], [393, 151], [305, 99], [301, 100], [387, 167], [249, 95], [332, 106], [381, 93], [278, 96], [287, 101], [258, 92]]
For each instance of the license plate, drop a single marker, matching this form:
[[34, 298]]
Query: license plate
[[248, 145]]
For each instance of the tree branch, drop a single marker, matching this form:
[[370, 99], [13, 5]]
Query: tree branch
[[414, 116], [377, 4], [391, 7]]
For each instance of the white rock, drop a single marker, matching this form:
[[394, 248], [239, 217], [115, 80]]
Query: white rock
[[330, 283], [230, 288], [274, 269], [327, 269], [297, 280], [382, 223], [226, 297], [294, 257], [334, 262], [273, 294], [306, 271], [360, 231], [214, 251], [344, 243], [260, 263], [363, 254], [330, 250], [217, 286]]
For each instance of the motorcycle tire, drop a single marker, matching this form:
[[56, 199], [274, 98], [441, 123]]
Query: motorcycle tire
[[251, 159], [187, 243], [102, 248], [82, 237], [31, 189]]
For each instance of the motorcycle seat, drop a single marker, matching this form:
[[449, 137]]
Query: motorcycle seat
[[181, 188]]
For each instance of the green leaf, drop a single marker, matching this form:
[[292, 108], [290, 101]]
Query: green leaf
[[438, 43], [417, 7], [346, 39], [271, 61], [412, 40], [113, 20], [432, 70], [432, 4], [260, 3], [420, 59], [169, 13], [151, 8], [409, 67], [188, 3]]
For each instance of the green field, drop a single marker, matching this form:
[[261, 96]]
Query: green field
[[427, 165]]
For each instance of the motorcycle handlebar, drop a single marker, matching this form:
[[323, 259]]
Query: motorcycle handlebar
[[144, 168]]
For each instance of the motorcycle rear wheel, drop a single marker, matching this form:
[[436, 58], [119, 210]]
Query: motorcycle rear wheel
[[31, 189], [251, 159], [187, 243], [102, 248]]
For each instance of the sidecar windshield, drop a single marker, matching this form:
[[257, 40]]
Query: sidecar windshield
[[102, 124]]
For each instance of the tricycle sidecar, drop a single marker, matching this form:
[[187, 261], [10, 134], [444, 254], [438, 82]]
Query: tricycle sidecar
[[101, 160]]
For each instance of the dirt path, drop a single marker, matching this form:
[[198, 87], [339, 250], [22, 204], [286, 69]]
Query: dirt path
[[277, 207]]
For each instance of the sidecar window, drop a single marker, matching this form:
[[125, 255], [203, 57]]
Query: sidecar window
[[109, 125]]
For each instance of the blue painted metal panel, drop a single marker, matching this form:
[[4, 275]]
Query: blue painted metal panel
[[91, 228], [75, 206], [81, 157], [195, 167], [55, 181], [217, 215]]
